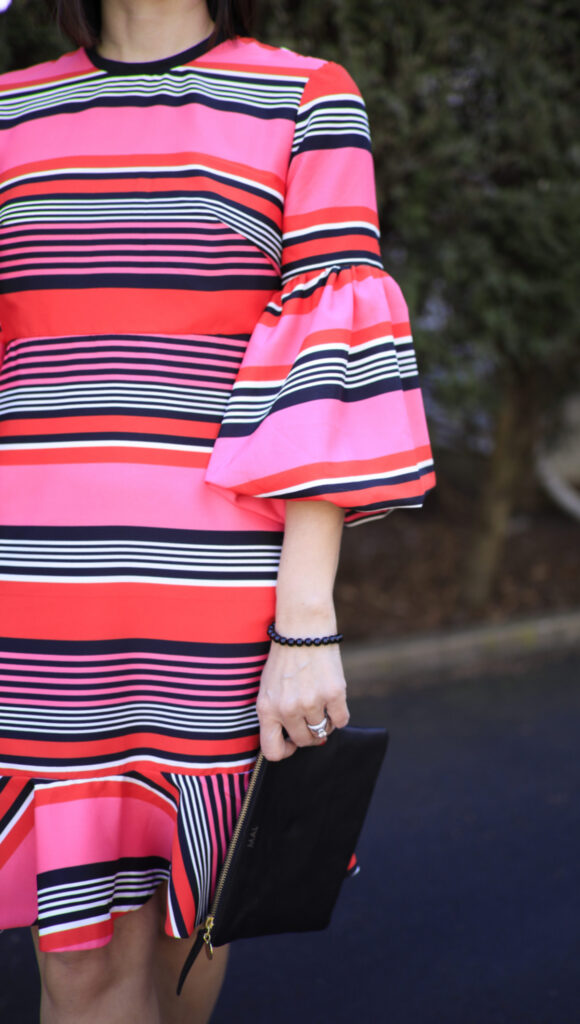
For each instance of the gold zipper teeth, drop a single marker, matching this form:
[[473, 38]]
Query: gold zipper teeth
[[234, 841]]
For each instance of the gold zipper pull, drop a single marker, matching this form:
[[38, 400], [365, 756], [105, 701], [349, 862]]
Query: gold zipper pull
[[209, 922]]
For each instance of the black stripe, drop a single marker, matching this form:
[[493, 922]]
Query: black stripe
[[338, 232], [193, 227], [93, 437], [241, 243], [153, 175], [334, 141], [351, 256], [157, 99], [52, 669], [90, 265], [313, 393], [22, 373], [204, 341], [143, 753], [214, 694], [71, 411], [100, 870], [17, 802], [154, 280], [96, 199], [144, 534], [331, 270], [212, 576], [223, 651], [137, 357], [200, 341], [125, 732], [378, 481], [325, 104]]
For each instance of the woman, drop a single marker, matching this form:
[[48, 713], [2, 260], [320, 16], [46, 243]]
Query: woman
[[205, 372]]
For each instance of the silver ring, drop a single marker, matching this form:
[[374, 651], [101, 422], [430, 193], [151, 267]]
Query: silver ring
[[319, 730]]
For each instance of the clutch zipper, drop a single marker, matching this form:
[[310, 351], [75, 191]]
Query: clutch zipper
[[209, 922]]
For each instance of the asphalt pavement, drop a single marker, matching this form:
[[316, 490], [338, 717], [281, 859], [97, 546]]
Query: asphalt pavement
[[467, 907]]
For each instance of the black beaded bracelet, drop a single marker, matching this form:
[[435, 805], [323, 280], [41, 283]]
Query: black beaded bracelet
[[308, 641]]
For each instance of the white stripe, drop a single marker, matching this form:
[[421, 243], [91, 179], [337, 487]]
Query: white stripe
[[55, 929], [164, 581], [186, 549], [49, 446], [333, 97], [342, 225], [322, 482], [65, 783], [339, 263], [14, 821], [126, 761], [134, 170]]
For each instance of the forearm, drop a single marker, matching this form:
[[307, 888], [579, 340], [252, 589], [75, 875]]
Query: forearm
[[312, 536]]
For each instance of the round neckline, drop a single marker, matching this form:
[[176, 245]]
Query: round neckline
[[152, 67]]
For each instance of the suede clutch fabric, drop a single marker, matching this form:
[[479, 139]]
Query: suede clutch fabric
[[294, 839]]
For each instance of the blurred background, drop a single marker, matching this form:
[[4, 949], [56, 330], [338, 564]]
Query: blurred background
[[467, 909], [474, 113]]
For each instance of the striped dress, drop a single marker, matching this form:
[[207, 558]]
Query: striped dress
[[196, 327]]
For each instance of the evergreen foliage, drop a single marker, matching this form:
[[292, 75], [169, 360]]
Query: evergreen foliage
[[27, 35], [473, 108], [474, 112]]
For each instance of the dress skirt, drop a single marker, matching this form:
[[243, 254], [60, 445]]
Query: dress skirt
[[196, 327]]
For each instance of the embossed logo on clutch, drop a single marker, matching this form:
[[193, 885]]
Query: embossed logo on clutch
[[252, 836]]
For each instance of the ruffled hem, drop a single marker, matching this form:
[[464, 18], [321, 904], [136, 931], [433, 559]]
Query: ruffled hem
[[74, 856]]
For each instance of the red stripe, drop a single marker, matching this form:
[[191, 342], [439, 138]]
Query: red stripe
[[86, 424], [335, 470], [164, 311], [143, 456], [101, 611]]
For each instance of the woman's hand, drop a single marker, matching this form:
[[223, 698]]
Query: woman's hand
[[300, 685], [303, 685]]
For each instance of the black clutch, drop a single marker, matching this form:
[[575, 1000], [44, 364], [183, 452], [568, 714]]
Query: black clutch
[[294, 839]]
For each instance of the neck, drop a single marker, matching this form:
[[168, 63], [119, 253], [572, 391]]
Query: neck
[[146, 30]]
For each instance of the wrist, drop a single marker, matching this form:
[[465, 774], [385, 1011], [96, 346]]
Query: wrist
[[325, 640], [305, 617]]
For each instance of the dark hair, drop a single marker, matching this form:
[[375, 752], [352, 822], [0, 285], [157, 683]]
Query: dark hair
[[81, 19]]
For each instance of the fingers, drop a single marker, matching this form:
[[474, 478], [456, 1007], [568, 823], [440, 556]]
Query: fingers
[[295, 722], [337, 710], [274, 745], [299, 689]]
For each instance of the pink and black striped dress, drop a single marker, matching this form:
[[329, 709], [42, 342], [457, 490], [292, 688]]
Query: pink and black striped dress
[[196, 327]]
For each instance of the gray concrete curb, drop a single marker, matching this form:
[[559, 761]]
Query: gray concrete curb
[[373, 669]]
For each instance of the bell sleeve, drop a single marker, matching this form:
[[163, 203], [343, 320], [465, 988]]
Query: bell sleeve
[[326, 405]]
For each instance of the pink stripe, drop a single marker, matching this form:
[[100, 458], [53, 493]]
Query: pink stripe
[[102, 494], [186, 228], [98, 827], [145, 676], [218, 264], [344, 433], [315, 175], [160, 267], [18, 905], [191, 360], [213, 664], [151, 130], [206, 781], [138, 700], [231, 242], [97, 377]]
